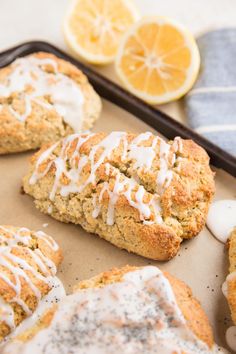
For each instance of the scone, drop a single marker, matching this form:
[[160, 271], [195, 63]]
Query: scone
[[28, 264], [128, 310], [229, 287], [43, 98], [137, 191]]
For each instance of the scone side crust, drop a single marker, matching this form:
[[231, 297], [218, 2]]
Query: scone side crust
[[16, 136]]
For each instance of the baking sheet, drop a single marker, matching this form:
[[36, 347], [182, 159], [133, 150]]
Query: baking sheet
[[201, 263], [108, 89]]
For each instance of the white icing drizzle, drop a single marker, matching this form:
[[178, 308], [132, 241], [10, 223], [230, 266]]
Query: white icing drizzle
[[221, 218], [231, 276], [126, 186], [142, 155], [107, 169], [43, 157], [47, 239], [178, 144], [138, 315], [165, 174], [20, 235], [20, 268], [65, 94], [54, 296]]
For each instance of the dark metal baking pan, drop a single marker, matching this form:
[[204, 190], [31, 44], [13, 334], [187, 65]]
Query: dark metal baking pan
[[120, 97]]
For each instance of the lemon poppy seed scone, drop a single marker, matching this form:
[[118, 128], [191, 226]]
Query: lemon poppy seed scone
[[43, 98], [133, 310], [137, 191], [28, 264]]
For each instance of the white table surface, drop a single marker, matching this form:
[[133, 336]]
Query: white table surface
[[22, 20]]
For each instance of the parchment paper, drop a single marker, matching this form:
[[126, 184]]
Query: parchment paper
[[201, 263]]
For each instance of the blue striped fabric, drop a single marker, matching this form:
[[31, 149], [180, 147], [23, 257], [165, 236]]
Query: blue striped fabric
[[211, 104]]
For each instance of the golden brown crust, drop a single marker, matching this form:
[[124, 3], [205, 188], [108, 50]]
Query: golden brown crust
[[25, 246], [43, 125], [184, 202], [232, 251], [231, 282], [192, 310]]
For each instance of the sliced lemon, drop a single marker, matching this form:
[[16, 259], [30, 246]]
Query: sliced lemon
[[158, 60], [93, 28]]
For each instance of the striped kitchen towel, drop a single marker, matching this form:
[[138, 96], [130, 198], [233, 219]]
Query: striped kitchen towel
[[211, 104]]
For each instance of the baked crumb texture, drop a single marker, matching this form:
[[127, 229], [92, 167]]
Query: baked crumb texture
[[28, 264], [136, 191], [42, 99], [178, 312], [231, 279]]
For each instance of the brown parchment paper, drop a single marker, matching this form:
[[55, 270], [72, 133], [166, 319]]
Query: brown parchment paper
[[201, 263]]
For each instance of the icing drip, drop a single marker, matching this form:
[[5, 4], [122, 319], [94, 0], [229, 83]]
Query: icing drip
[[47, 239], [144, 155], [230, 277], [7, 314], [11, 243], [54, 296], [221, 218], [165, 174], [142, 150], [178, 144], [65, 94], [137, 315]]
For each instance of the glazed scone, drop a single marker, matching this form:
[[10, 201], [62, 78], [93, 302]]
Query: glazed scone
[[28, 264], [43, 98], [136, 191], [229, 287], [131, 310]]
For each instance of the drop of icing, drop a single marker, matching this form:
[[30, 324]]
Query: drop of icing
[[142, 157], [230, 277], [65, 94], [230, 337], [222, 218]]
